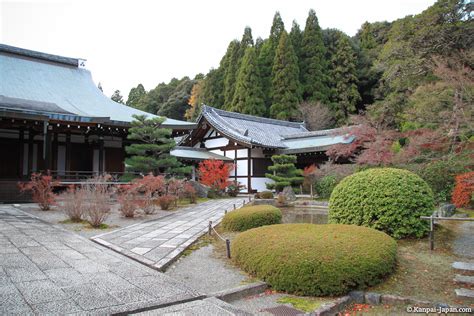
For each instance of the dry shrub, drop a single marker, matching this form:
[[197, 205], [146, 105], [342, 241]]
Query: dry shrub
[[98, 193], [129, 201], [41, 187], [190, 192], [150, 187], [166, 201], [74, 201]]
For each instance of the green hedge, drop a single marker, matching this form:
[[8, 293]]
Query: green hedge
[[317, 260], [250, 217], [387, 199]]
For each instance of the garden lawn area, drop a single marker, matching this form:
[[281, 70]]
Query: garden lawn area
[[420, 273], [425, 274]]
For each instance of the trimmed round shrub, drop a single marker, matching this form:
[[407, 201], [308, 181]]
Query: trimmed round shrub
[[316, 260], [388, 199], [251, 217], [265, 195]]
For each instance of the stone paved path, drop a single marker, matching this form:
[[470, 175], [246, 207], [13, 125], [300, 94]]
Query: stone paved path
[[158, 242], [46, 270]]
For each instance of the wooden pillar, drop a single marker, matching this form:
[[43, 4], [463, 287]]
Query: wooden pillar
[[249, 170], [46, 147], [21, 152], [31, 136], [54, 152], [68, 152], [101, 154]]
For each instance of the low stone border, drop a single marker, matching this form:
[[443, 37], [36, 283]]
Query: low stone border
[[240, 291], [361, 297]]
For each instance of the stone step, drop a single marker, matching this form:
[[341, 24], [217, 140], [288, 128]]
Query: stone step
[[464, 279], [467, 266], [464, 293]]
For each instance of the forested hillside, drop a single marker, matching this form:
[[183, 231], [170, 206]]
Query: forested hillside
[[391, 71]]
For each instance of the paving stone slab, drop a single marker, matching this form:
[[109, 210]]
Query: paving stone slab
[[464, 293], [59, 272], [467, 266], [159, 242]]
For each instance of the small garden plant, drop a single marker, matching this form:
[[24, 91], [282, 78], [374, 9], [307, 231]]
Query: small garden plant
[[41, 187], [251, 216], [388, 199], [315, 260], [284, 173]]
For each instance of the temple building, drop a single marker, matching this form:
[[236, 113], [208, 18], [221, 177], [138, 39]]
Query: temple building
[[251, 141], [53, 117]]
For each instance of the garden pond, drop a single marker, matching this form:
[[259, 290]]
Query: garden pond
[[316, 215]]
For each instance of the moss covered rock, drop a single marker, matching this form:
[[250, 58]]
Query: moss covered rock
[[388, 199], [315, 260], [251, 217]]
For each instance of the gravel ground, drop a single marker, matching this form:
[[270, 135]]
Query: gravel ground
[[463, 245], [256, 304], [204, 272], [114, 220]]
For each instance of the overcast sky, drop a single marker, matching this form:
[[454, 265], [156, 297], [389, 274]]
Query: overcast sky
[[131, 42]]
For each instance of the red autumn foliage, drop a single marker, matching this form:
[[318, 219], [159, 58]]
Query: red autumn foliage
[[41, 187], [215, 174], [463, 189]]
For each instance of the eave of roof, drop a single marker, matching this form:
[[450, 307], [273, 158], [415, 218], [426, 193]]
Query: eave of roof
[[198, 154]]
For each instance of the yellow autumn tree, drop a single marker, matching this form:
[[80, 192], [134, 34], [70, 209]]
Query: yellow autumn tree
[[194, 101]]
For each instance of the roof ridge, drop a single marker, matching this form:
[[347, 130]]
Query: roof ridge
[[39, 55], [253, 117], [323, 132]]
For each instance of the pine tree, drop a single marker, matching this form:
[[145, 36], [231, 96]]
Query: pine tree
[[117, 97], [151, 150], [344, 74], [285, 173], [135, 96], [248, 97], [313, 64], [230, 72], [285, 81]]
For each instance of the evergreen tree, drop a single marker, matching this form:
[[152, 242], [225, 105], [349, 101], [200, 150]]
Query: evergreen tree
[[213, 88], [135, 96], [247, 40], [151, 150], [344, 74], [285, 81], [313, 64], [296, 37], [177, 103], [117, 97], [258, 45], [230, 72], [248, 97], [266, 57], [285, 173]]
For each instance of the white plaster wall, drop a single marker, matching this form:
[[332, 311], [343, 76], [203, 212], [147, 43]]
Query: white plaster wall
[[218, 142], [242, 167], [242, 153], [230, 154], [257, 153], [259, 184]]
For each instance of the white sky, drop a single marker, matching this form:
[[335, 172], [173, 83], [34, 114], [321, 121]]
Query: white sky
[[131, 42]]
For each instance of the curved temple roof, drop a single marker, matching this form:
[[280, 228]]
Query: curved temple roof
[[55, 86], [286, 137]]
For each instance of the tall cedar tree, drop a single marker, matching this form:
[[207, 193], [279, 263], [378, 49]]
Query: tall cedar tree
[[230, 72], [266, 56], [314, 68], [296, 37], [177, 103], [117, 97], [151, 151], [285, 81], [213, 88], [248, 97], [344, 75], [284, 173], [135, 96]]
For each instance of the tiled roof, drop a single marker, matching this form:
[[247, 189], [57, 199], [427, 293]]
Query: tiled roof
[[284, 136], [35, 82], [251, 130]]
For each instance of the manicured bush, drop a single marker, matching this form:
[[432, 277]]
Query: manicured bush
[[250, 217], [315, 260], [326, 185], [387, 199], [265, 195]]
